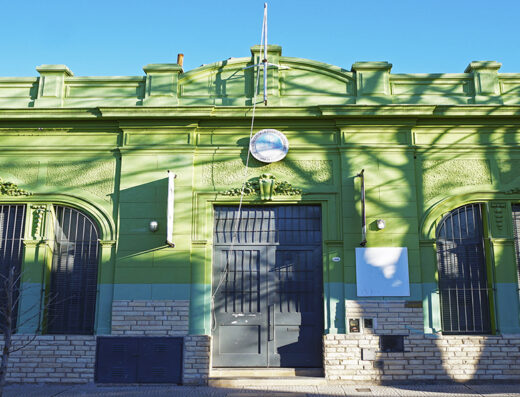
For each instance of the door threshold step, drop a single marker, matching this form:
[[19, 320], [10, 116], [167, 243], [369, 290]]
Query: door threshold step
[[265, 382], [266, 372]]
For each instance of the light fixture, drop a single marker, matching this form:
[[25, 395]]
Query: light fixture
[[154, 225], [381, 224]]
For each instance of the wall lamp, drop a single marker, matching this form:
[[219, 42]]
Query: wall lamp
[[381, 224], [154, 225]]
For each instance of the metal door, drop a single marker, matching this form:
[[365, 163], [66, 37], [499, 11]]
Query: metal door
[[139, 359], [267, 287]]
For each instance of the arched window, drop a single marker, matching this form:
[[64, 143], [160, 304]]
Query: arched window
[[74, 272], [12, 224], [463, 284]]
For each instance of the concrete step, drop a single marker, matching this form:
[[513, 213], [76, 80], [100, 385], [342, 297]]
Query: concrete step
[[262, 377], [264, 382], [265, 372]]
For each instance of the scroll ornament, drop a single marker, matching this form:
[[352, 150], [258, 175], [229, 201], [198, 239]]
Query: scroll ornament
[[11, 189], [266, 186]]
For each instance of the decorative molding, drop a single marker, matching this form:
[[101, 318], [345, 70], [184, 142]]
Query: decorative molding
[[11, 189], [38, 213], [498, 210], [95, 177], [302, 172], [512, 191], [107, 243], [441, 176], [34, 243], [266, 186]]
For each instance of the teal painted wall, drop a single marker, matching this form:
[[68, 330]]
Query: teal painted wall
[[427, 143]]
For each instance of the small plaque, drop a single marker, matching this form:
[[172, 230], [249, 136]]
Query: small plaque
[[336, 259], [269, 146], [353, 325]]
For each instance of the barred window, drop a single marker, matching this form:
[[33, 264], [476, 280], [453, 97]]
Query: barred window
[[12, 222], [463, 284], [74, 272], [516, 228]]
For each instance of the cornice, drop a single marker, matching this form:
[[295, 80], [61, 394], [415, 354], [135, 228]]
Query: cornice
[[271, 112], [50, 113]]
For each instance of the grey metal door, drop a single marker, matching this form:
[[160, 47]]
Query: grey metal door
[[267, 287]]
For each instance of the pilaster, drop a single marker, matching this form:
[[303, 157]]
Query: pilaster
[[274, 52], [51, 88], [162, 84], [372, 82], [485, 80]]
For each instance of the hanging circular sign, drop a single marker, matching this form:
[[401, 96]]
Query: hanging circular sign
[[269, 146]]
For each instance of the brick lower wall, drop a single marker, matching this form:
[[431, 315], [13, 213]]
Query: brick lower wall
[[357, 356], [52, 359], [197, 359], [165, 318], [150, 317], [71, 358]]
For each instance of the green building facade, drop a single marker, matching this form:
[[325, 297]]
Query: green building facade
[[434, 148]]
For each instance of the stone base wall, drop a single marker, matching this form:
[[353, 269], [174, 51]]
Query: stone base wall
[[197, 359], [357, 357], [150, 317], [165, 318], [52, 359]]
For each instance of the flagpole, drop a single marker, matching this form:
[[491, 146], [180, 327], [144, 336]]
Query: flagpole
[[265, 54]]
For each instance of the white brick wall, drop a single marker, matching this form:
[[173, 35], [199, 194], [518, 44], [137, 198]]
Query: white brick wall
[[196, 359], [425, 357], [52, 358], [150, 317]]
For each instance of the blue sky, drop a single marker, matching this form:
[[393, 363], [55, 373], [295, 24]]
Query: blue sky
[[119, 37]]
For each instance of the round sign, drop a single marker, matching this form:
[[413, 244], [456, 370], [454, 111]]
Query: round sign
[[269, 146]]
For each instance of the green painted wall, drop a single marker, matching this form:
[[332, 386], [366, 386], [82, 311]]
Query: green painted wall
[[428, 143]]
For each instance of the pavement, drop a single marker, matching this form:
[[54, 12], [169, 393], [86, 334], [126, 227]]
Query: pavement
[[330, 390]]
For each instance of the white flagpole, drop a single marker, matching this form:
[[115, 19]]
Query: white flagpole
[[265, 54], [265, 63]]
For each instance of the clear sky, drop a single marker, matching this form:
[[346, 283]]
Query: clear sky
[[113, 37]]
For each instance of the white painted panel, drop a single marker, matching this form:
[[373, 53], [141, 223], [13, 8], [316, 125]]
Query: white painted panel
[[382, 271]]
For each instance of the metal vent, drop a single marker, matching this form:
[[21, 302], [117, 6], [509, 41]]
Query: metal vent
[[463, 285], [158, 372], [119, 348], [118, 372]]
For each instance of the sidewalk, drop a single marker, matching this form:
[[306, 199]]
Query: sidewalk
[[334, 390]]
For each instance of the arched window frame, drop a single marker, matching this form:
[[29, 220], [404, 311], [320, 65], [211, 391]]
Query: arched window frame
[[465, 291], [35, 250], [71, 290]]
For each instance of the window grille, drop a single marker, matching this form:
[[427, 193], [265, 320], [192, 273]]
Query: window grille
[[463, 286], [12, 221], [73, 285], [516, 228]]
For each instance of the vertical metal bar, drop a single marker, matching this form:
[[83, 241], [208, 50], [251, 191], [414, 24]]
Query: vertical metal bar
[[363, 214], [265, 54]]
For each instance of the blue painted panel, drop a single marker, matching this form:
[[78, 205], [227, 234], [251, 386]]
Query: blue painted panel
[[508, 315]]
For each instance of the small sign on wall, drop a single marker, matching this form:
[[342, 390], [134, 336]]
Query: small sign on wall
[[382, 271]]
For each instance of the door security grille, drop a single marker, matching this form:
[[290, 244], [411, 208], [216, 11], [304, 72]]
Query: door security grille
[[516, 227], [73, 285], [463, 285]]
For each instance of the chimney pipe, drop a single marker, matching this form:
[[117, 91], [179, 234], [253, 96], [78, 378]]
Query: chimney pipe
[[180, 59]]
